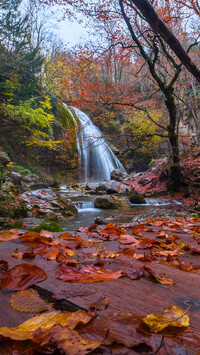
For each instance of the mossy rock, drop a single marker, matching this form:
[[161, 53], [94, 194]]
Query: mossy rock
[[136, 198], [105, 202], [49, 226]]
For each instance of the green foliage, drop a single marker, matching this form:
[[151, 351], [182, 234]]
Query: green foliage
[[20, 61], [142, 132], [49, 226], [25, 114], [36, 122]]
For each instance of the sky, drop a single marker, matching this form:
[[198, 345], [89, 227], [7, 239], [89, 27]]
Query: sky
[[69, 32]]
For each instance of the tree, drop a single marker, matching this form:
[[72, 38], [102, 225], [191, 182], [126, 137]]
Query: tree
[[20, 65], [131, 26]]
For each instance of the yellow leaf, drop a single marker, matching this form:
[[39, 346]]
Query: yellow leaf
[[45, 322], [171, 317]]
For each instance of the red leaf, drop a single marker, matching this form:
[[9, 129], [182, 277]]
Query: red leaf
[[22, 276]]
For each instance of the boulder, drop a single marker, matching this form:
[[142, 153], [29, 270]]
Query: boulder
[[107, 202], [31, 178], [15, 177], [4, 158], [111, 187], [48, 204], [100, 220], [136, 198], [118, 175]]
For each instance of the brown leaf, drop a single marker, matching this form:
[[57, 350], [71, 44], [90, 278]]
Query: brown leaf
[[67, 340], [86, 274], [29, 301], [65, 258], [161, 278], [134, 273], [3, 268], [128, 239], [100, 304], [22, 276]]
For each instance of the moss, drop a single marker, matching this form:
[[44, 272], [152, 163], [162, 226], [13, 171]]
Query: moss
[[18, 225], [49, 226], [64, 117]]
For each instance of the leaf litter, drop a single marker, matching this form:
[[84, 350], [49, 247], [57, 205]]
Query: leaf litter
[[81, 332]]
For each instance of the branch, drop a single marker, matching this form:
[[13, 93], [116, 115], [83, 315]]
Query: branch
[[159, 26]]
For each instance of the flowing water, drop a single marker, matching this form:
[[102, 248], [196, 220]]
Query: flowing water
[[87, 212], [96, 159], [96, 162]]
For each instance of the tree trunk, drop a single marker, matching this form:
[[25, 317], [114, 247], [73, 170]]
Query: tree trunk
[[175, 178]]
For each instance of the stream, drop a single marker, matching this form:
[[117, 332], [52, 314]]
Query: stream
[[87, 212]]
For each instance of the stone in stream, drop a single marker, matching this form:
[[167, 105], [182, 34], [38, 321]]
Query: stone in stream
[[110, 202], [112, 186], [100, 220]]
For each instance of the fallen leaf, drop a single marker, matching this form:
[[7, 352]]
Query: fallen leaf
[[48, 252], [17, 254], [47, 234], [65, 258], [161, 278], [8, 235], [67, 340], [86, 274], [128, 239], [22, 276], [45, 321], [29, 301], [171, 317], [134, 273], [100, 304]]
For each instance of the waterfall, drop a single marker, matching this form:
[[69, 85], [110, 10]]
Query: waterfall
[[96, 159]]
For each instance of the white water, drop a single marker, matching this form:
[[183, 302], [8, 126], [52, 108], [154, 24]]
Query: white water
[[96, 159]]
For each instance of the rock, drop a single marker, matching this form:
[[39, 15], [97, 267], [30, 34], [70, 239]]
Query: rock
[[15, 177], [48, 204], [144, 181], [31, 178], [27, 223], [4, 158], [136, 198], [118, 175], [107, 202], [111, 187], [91, 186], [100, 220]]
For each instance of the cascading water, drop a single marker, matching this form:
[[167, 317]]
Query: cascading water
[[96, 159]]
